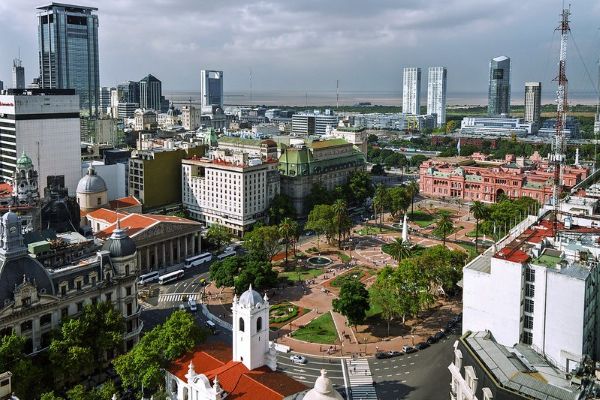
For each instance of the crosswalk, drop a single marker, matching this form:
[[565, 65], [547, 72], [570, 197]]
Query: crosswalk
[[360, 379], [171, 297]]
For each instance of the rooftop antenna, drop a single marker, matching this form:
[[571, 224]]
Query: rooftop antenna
[[558, 157], [250, 85], [337, 94]]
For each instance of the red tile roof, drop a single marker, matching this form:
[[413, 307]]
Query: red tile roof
[[6, 189], [237, 380], [124, 202], [106, 215], [135, 223]]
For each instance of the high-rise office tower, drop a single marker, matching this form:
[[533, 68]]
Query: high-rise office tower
[[499, 90], [18, 75], [129, 92], [436, 93], [1, 85], [533, 101], [150, 93], [105, 99], [411, 91], [211, 89], [68, 52]]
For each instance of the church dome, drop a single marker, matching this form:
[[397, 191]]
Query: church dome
[[250, 298], [91, 183], [24, 161], [323, 389], [120, 244], [10, 218]]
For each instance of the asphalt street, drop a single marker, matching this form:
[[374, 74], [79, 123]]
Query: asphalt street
[[309, 372]]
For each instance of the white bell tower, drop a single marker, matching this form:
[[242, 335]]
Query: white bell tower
[[251, 330]]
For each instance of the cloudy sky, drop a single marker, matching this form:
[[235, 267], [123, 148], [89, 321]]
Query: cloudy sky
[[305, 45]]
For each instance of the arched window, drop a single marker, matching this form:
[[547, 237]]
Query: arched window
[[241, 324], [259, 324]]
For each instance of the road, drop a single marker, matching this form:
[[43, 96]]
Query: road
[[309, 372], [419, 376]]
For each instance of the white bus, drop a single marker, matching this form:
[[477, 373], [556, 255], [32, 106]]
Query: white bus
[[171, 276], [226, 253], [149, 277], [197, 260]]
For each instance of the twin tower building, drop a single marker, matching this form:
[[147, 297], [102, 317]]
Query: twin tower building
[[436, 92]]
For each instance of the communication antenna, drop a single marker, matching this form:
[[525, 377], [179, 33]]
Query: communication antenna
[[558, 157], [250, 85], [337, 94]]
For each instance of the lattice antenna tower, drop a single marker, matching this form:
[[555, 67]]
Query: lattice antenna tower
[[559, 147]]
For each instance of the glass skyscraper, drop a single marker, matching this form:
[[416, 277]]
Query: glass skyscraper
[[68, 52], [499, 90], [211, 89]]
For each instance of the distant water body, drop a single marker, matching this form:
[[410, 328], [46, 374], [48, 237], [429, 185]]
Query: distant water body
[[348, 98]]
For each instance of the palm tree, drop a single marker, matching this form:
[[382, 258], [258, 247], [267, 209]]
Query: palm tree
[[286, 230], [444, 227], [399, 249], [380, 201], [340, 212], [413, 190], [479, 211]]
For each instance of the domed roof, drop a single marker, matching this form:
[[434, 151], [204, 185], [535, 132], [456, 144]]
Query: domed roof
[[323, 389], [14, 272], [250, 298], [91, 183], [119, 244], [24, 161], [10, 218]]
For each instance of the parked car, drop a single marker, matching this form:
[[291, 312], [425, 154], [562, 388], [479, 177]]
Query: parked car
[[409, 349], [432, 339], [439, 336], [395, 353], [381, 355], [192, 304], [422, 346], [296, 359]]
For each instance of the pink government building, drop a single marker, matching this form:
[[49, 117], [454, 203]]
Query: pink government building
[[478, 178]]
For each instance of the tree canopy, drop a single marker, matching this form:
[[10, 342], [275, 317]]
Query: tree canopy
[[262, 242], [218, 235], [281, 207], [241, 271], [353, 301]]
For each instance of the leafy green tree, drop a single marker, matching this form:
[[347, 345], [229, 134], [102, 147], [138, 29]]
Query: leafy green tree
[[450, 126], [381, 202], [360, 187], [353, 301], [444, 227], [342, 221], [413, 191], [14, 359], [287, 230], [372, 138], [320, 220], [218, 235], [258, 273], [79, 392], [318, 195], [377, 169], [417, 160], [143, 366], [399, 249], [51, 396], [399, 200], [281, 207], [383, 294], [262, 242], [223, 272], [479, 211]]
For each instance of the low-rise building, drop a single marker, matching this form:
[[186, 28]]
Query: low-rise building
[[314, 123], [145, 119], [327, 162], [230, 189], [477, 178], [190, 117], [356, 135], [496, 126], [263, 149]]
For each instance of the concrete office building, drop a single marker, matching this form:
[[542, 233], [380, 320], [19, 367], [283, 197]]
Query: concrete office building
[[411, 91], [533, 101], [68, 52], [129, 92], [229, 189], [436, 93], [150, 93], [190, 117], [538, 286], [499, 88], [18, 75], [43, 123], [126, 110], [211, 89], [314, 123], [105, 103]]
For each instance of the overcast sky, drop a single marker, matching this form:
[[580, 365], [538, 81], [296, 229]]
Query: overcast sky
[[308, 44]]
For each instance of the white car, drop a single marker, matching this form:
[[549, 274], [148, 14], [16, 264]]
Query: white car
[[192, 304], [296, 359]]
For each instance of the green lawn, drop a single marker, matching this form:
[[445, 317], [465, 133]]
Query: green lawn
[[339, 281], [302, 275], [470, 248], [421, 218], [373, 311], [372, 230], [319, 330]]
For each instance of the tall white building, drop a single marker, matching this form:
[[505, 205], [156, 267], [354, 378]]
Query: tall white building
[[540, 290], [411, 91], [313, 123], [229, 189], [533, 101], [43, 123], [436, 93], [211, 89]]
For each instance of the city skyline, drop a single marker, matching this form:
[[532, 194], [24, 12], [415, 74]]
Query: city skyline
[[282, 43]]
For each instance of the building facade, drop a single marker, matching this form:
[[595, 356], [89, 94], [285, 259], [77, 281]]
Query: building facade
[[211, 89], [105, 100], [190, 117], [43, 123], [411, 91], [230, 189], [476, 178], [326, 162], [46, 282], [150, 93], [68, 52], [18, 75], [155, 175], [496, 126], [499, 87], [436, 93], [533, 101], [315, 123]]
